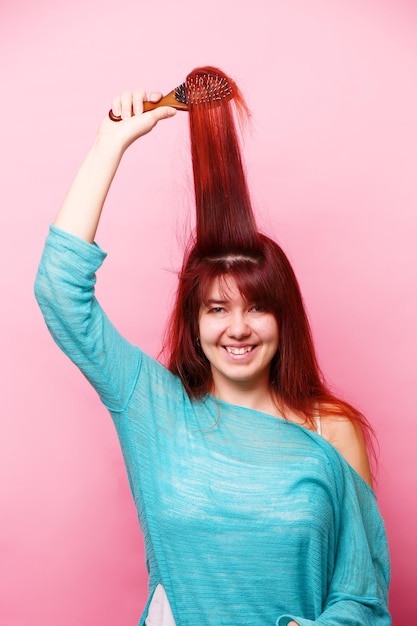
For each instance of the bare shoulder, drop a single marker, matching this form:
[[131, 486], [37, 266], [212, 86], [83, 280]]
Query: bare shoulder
[[347, 437]]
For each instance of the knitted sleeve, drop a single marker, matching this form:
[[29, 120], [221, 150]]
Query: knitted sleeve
[[358, 593], [64, 289]]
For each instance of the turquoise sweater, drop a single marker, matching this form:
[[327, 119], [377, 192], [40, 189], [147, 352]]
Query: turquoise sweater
[[248, 520]]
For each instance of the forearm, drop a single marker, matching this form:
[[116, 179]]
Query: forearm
[[348, 614], [81, 210]]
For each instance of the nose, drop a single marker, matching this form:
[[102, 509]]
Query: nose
[[238, 326]]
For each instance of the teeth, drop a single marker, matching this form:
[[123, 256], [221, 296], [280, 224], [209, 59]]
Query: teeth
[[238, 350]]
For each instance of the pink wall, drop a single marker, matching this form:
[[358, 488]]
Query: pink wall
[[332, 166]]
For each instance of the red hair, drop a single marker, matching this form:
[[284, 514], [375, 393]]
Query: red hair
[[228, 244], [224, 216]]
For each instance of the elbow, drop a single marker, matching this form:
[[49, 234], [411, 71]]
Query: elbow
[[41, 290], [38, 289]]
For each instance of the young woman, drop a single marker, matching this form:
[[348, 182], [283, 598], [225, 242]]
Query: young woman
[[251, 481]]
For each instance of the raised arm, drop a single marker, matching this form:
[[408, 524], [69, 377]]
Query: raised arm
[[65, 282], [81, 210]]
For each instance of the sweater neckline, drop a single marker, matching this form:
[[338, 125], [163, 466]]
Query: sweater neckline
[[233, 409]]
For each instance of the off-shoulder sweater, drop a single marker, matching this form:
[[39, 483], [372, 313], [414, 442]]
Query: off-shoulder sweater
[[248, 519]]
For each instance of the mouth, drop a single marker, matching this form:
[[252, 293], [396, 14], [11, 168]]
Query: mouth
[[239, 351]]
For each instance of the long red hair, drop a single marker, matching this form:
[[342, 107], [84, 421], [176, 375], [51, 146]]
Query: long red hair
[[224, 218], [227, 243]]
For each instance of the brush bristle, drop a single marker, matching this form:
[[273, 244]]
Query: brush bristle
[[203, 87], [180, 94]]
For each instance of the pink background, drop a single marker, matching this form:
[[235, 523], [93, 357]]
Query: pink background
[[331, 157]]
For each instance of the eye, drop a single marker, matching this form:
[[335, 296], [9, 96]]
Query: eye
[[258, 308], [216, 309]]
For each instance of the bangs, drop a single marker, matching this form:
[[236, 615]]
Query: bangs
[[250, 274]]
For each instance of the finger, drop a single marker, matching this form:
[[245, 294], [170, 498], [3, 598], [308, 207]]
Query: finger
[[139, 95], [155, 96], [161, 113], [116, 106], [126, 102], [151, 118]]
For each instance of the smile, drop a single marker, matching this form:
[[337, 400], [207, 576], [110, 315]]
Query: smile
[[244, 350]]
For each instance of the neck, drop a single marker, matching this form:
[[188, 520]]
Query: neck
[[259, 397]]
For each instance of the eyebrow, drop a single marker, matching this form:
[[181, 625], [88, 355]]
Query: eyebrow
[[215, 301]]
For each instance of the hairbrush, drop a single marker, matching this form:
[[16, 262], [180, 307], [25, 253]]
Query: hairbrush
[[202, 86]]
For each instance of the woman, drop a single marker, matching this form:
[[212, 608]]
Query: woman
[[251, 481]]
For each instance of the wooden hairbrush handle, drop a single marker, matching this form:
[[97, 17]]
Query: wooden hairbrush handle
[[168, 100]]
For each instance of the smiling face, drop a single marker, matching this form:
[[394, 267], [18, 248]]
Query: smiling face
[[239, 338]]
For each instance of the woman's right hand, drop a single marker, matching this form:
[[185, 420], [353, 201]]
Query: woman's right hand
[[134, 123]]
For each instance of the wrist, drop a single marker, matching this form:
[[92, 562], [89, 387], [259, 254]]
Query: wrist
[[108, 147]]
